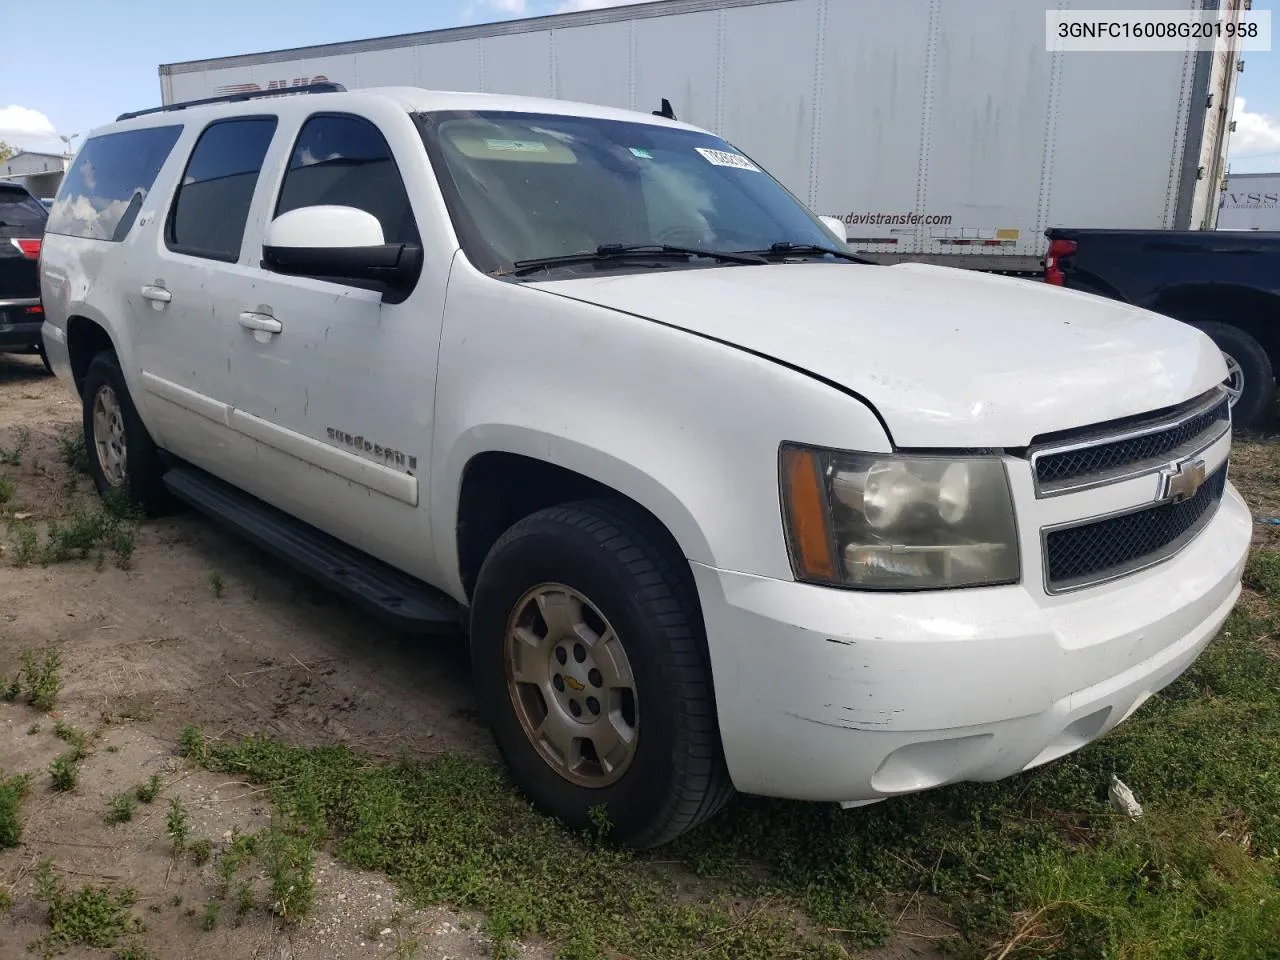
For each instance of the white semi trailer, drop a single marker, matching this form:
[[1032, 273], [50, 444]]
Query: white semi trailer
[[937, 130], [1250, 201]]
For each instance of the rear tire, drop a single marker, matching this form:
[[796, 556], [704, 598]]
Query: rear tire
[[1251, 379], [122, 455], [620, 660]]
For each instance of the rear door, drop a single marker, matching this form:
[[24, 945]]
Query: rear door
[[187, 326], [22, 221]]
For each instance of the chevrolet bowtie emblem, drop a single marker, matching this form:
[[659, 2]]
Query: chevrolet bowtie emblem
[[1181, 481]]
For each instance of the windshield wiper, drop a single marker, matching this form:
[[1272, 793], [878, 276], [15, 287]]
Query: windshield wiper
[[640, 251], [786, 248]]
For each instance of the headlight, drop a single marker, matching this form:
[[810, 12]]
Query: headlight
[[889, 522]]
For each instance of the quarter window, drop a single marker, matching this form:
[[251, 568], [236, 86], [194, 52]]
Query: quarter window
[[345, 161], [212, 204], [103, 191]]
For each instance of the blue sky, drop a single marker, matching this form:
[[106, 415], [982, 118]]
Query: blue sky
[[102, 55]]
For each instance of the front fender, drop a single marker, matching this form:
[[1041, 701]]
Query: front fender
[[687, 427]]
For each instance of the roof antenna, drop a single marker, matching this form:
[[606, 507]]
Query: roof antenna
[[666, 110]]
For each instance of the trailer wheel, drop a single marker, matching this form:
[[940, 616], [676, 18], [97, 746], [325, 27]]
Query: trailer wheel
[[1250, 379]]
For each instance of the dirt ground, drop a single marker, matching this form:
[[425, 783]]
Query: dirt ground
[[151, 649]]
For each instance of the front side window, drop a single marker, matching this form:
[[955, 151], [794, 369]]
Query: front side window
[[103, 191], [211, 207], [345, 161], [523, 187]]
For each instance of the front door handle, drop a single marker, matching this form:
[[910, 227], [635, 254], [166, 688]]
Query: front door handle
[[260, 321], [156, 293]]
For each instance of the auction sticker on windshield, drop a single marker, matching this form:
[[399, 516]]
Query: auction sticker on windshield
[[517, 146], [723, 158]]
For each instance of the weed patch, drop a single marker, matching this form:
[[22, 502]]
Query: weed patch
[[121, 808], [38, 681], [148, 792], [73, 452], [64, 772], [91, 916], [13, 790], [178, 826]]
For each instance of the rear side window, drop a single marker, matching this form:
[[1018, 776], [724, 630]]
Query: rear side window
[[106, 185], [345, 160], [211, 207], [21, 215]]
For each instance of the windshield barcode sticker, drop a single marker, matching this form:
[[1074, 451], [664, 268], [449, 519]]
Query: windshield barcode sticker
[[723, 158], [519, 146]]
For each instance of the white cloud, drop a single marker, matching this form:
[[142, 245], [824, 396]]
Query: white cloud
[[568, 6], [19, 124], [516, 7], [1255, 132]]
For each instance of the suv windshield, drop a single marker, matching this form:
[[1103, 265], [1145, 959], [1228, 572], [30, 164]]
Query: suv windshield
[[523, 188]]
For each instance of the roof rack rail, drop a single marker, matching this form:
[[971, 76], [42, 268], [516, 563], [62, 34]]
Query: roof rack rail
[[237, 97]]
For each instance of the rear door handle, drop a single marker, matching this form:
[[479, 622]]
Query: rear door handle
[[156, 293], [260, 321]]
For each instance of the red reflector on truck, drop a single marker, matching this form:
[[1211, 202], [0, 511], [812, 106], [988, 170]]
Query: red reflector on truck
[[1053, 261]]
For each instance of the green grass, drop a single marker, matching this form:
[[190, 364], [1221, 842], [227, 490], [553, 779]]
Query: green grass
[[73, 737], [13, 790], [64, 772], [209, 916], [218, 583], [121, 808], [148, 791], [109, 524], [74, 453], [201, 851], [135, 951], [91, 916], [12, 456], [38, 681], [7, 490], [1038, 865], [178, 825]]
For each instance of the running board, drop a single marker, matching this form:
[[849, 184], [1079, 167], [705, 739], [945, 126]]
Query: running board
[[402, 600]]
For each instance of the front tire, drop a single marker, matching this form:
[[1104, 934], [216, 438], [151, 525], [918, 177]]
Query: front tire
[[1250, 379], [591, 664], [122, 456]]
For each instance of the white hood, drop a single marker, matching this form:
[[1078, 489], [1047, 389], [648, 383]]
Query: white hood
[[949, 357]]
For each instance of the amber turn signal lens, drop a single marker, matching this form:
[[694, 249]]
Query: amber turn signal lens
[[807, 514]]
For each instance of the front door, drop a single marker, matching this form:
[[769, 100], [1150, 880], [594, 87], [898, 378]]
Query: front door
[[334, 386]]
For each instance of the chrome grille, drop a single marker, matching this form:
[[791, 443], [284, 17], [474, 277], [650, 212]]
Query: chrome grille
[[1092, 552], [1130, 450]]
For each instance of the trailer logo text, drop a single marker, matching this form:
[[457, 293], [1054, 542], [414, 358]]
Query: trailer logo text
[[896, 219], [234, 88]]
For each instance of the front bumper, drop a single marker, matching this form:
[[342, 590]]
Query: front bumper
[[836, 695]]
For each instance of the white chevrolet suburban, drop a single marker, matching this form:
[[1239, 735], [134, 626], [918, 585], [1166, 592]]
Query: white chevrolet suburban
[[719, 505]]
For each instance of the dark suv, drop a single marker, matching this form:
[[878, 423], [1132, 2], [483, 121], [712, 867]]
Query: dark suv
[[22, 220]]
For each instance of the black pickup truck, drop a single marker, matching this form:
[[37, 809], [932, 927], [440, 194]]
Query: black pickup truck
[[1226, 283], [22, 221]]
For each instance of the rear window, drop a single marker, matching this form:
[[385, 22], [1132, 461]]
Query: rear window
[[20, 214], [106, 185]]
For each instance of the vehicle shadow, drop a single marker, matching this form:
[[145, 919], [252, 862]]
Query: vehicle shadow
[[21, 367], [285, 657]]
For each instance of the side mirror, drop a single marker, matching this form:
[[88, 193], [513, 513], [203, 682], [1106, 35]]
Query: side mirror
[[836, 226], [342, 245]]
